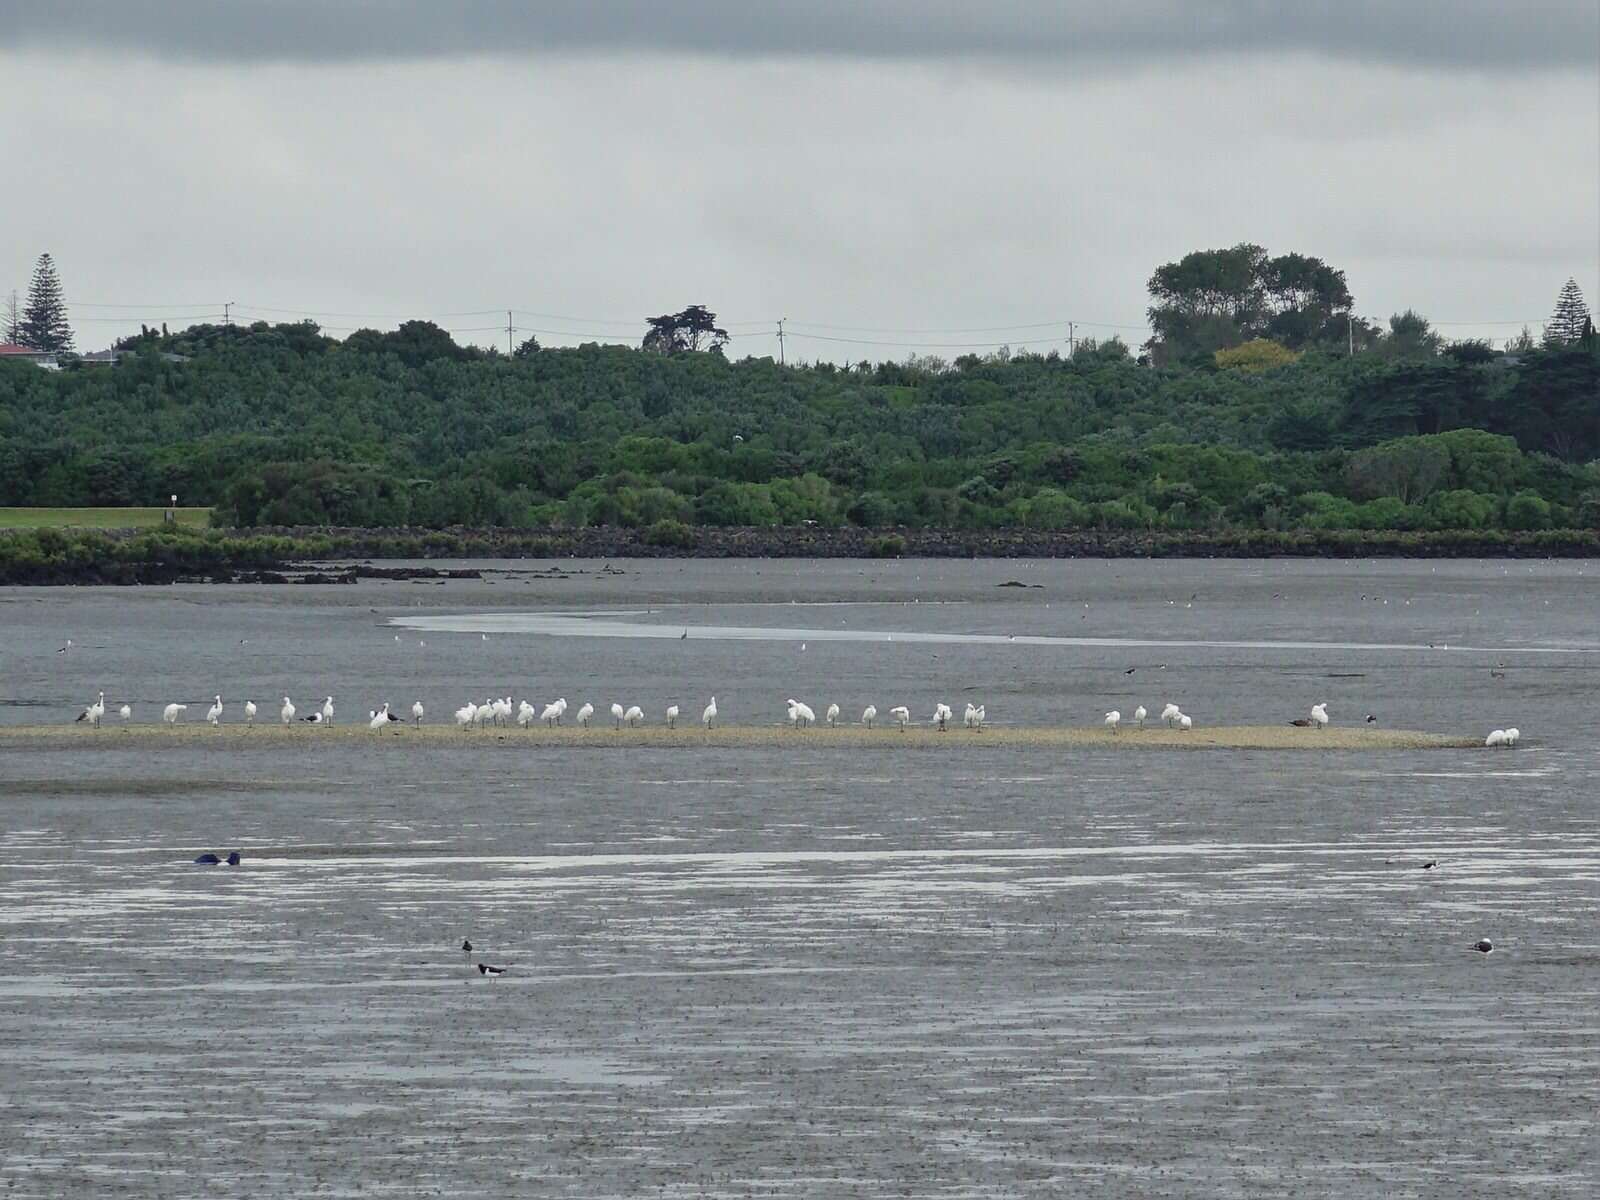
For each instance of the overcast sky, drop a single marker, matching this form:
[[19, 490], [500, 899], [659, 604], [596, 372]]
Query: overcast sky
[[907, 175]]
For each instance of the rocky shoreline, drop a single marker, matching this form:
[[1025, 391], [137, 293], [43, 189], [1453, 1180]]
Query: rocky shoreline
[[319, 556]]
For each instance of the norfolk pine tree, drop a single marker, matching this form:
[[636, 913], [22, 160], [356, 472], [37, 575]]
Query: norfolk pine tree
[[44, 319]]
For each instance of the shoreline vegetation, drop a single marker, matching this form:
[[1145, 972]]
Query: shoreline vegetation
[[54, 556], [603, 737]]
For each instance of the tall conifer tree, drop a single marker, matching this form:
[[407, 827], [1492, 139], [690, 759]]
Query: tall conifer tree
[[44, 319], [1570, 319]]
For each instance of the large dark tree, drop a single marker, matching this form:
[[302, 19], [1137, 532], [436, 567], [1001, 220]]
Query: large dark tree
[[1571, 318], [1214, 298], [695, 328], [44, 318]]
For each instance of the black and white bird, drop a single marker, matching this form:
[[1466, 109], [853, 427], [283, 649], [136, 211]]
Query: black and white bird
[[1483, 946], [485, 969], [466, 945]]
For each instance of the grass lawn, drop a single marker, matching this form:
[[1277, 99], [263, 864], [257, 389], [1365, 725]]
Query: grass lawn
[[99, 518]]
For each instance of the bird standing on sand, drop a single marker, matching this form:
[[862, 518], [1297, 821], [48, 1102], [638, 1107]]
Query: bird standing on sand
[[617, 714], [708, 718], [584, 713], [327, 710], [1185, 722], [832, 715], [214, 713], [1170, 714], [249, 712], [672, 716], [172, 712], [633, 716], [902, 716], [1139, 715], [869, 714], [1319, 715], [286, 713], [1113, 719], [126, 713], [466, 945], [416, 712]]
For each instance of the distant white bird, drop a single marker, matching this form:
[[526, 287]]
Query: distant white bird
[[1113, 719], [94, 711], [249, 712], [327, 710], [942, 713], [416, 712], [525, 714], [287, 711], [672, 716], [465, 715], [1497, 737], [979, 716], [708, 718], [1512, 734], [1170, 714], [869, 714], [633, 716], [902, 716], [617, 714], [832, 715], [1319, 715], [125, 712], [551, 713], [800, 715], [214, 713], [1185, 722], [584, 713], [561, 709], [172, 712], [379, 719], [1139, 715], [64, 649]]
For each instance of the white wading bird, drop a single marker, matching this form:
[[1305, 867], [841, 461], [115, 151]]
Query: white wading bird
[[249, 712], [1170, 714], [633, 716], [1113, 719], [902, 716], [617, 714], [832, 715], [584, 713], [214, 713], [327, 710], [942, 713], [1319, 715], [172, 712], [709, 717], [1139, 715], [286, 713], [672, 716], [416, 712], [869, 714], [126, 713]]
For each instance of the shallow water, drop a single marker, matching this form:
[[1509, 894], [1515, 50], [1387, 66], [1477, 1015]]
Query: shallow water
[[802, 970]]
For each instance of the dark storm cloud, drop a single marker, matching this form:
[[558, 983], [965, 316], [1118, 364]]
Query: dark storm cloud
[[1464, 33]]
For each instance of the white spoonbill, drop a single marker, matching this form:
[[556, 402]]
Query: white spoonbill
[[672, 716], [1170, 714], [584, 713], [327, 710], [1512, 734], [617, 714], [286, 713], [709, 717], [969, 718], [214, 713], [249, 712], [1185, 722], [416, 712], [126, 713], [551, 712], [832, 715], [465, 715], [1319, 715], [979, 717], [941, 715], [902, 716], [378, 719], [1113, 719], [1139, 715], [869, 714], [800, 715], [633, 716], [525, 715], [1497, 737], [94, 711], [561, 709], [172, 712]]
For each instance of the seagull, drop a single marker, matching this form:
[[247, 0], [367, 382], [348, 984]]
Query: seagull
[[172, 712], [633, 716], [214, 713], [249, 712], [708, 718], [901, 714], [485, 969], [416, 712], [1170, 714], [1113, 719], [585, 713], [617, 714], [869, 714], [233, 858], [1483, 946], [287, 711], [1130, 670], [1139, 715], [672, 716]]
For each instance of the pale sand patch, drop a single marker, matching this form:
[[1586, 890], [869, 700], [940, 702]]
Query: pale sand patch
[[1226, 737]]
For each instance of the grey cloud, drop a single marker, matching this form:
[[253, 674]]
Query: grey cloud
[[1475, 34]]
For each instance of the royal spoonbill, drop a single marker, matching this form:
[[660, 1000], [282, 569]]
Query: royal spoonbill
[[617, 714], [1512, 734], [902, 716], [172, 712], [584, 713], [1170, 714], [1139, 715], [1113, 719], [941, 715], [552, 712], [672, 716], [214, 713], [708, 718], [465, 715], [869, 714], [832, 715], [416, 712], [286, 713], [249, 712], [1185, 722], [633, 716], [327, 710], [1319, 714], [126, 713]]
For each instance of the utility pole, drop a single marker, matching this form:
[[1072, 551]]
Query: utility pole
[[781, 361], [1072, 338], [1350, 327], [508, 333], [227, 314]]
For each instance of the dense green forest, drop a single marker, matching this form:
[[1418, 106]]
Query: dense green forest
[[280, 425]]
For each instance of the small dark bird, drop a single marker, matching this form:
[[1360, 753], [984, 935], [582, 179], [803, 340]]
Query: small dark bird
[[207, 860], [1430, 864], [683, 635], [484, 969], [1130, 670], [466, 945], [1371, 720], [1483, 945], [1301, 722], [233, 859]]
